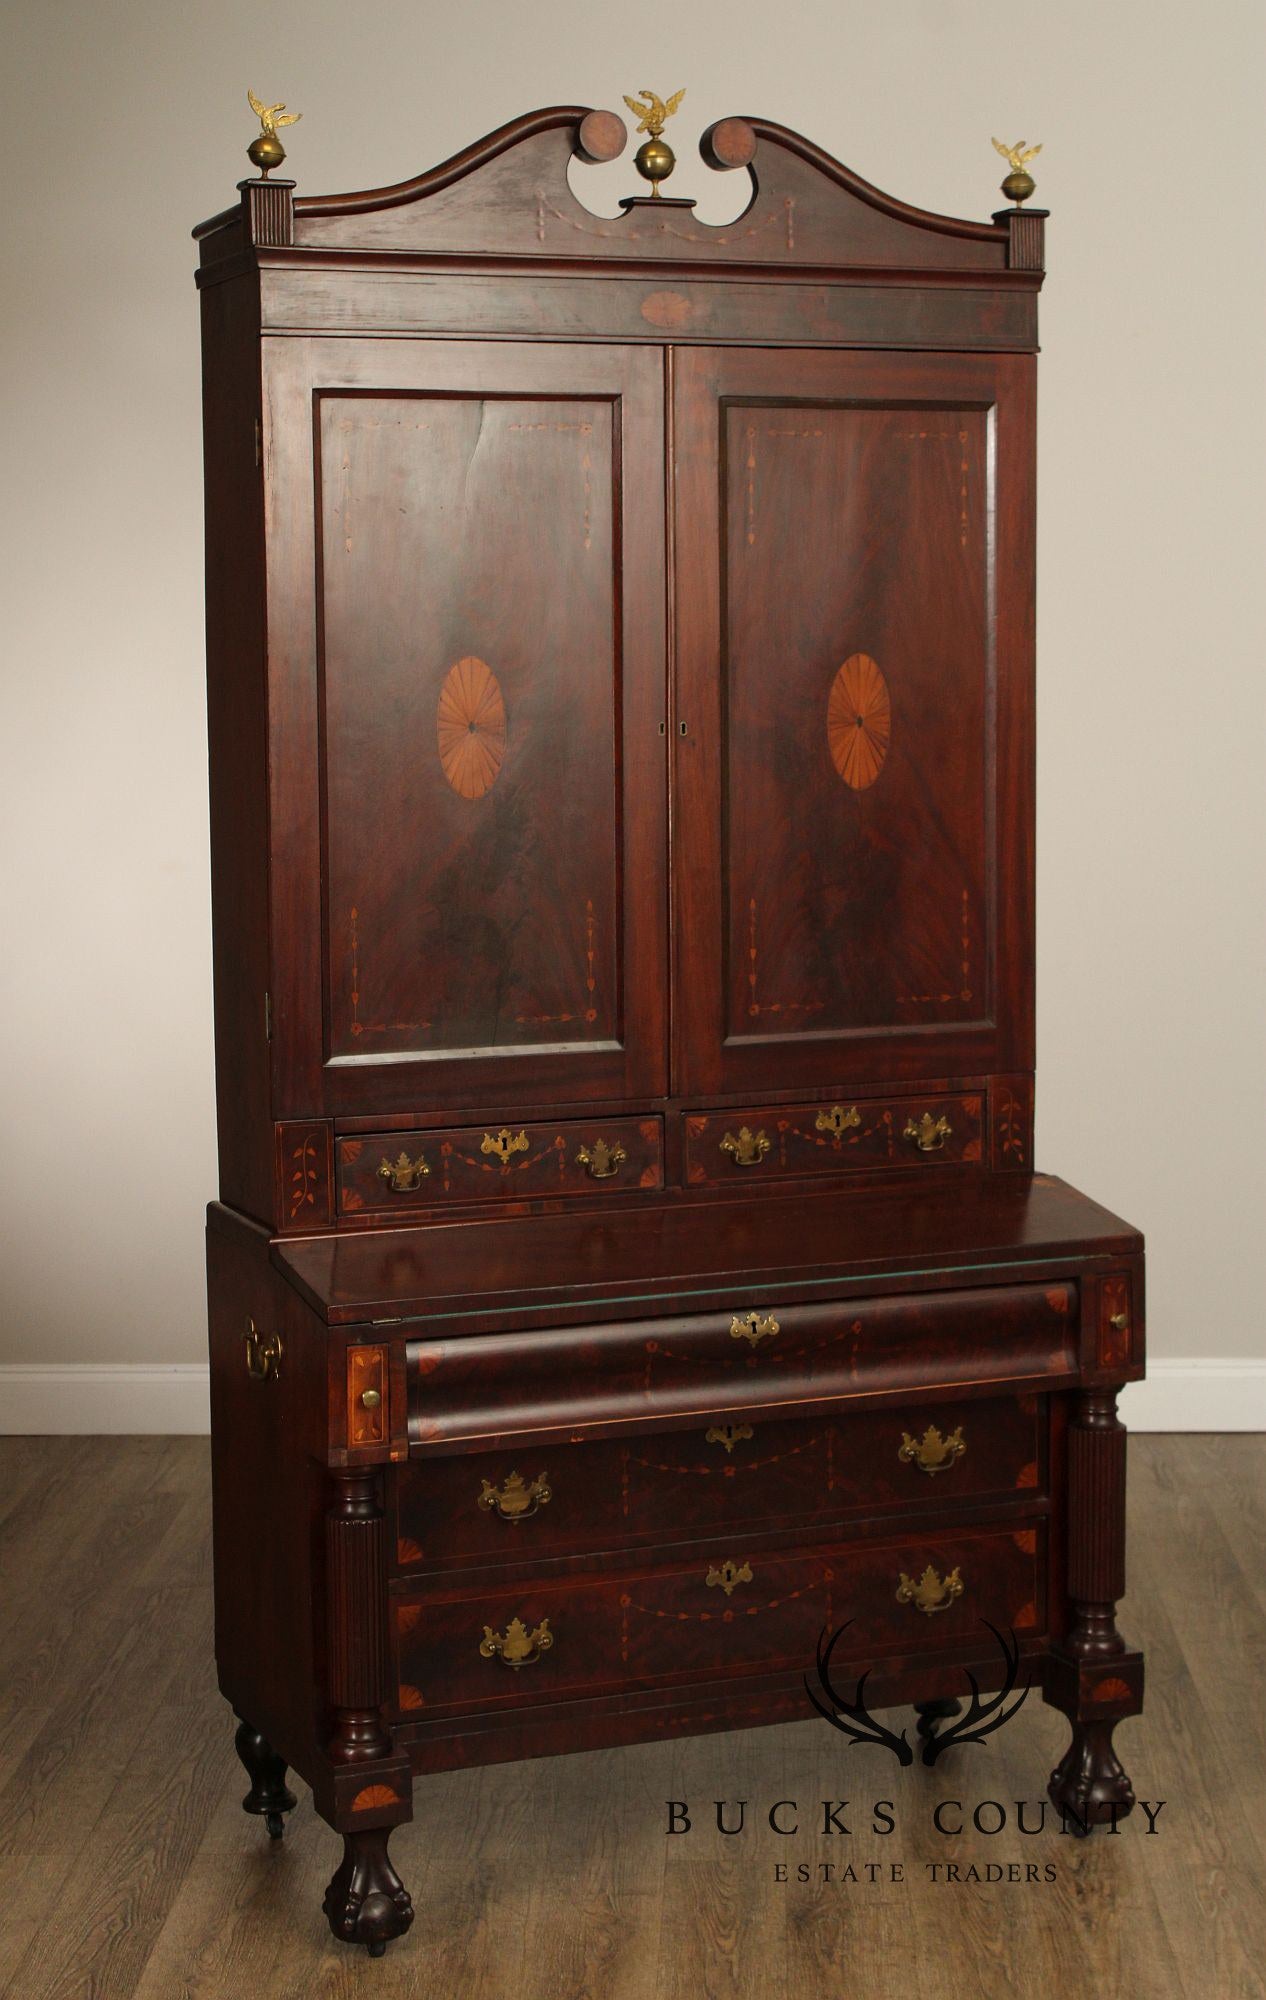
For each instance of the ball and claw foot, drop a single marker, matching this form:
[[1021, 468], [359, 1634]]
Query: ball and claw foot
[[366, 1902], [269, 1794], [932, 1712], [1088, 1785]]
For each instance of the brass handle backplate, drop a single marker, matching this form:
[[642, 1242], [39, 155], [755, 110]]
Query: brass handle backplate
[[931, 1593], [929, 1134], [753, 1326], [503, 1144], [747, 1148], [404, 1176], [518, 1498], [838, 1120], [516, 1646], [727, 1576], [932, 1452], [263, 1354], [600, 1160], [728, 1435]]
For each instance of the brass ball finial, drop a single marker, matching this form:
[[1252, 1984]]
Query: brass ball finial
[[656, 159], [1019, 184], [267, 151]]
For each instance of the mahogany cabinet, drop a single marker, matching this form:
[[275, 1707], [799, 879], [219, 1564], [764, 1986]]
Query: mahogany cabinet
[[629, 1263]]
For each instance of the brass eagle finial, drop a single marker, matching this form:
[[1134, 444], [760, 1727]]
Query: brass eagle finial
[[267, 150], [1019, 184], [655, 159]]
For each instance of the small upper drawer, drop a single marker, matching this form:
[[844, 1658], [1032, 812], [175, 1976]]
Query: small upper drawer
[[831, 1136], [409, 1170]]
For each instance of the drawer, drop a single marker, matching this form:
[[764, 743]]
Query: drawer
[[418, 1169], [505, 1507], [516, 1391], [830, 1136], [721, 1612]]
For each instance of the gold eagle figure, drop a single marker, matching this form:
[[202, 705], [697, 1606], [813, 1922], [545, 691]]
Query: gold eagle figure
[[270, 115], [1015, 156], [654, 114]]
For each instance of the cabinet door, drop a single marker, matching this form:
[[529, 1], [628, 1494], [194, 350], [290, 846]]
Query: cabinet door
[[853, 750], [467, 696]]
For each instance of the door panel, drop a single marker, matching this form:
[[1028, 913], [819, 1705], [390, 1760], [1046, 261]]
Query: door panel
[[473, 738], [845, 910]]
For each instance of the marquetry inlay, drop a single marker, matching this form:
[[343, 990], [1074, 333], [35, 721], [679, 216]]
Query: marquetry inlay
[[470, 723], [858, 721]]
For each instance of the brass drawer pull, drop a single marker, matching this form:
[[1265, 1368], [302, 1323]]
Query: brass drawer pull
[[504, 1144], [516, 1500], [516, 1646], [931, 1593], [1119, 1320], [728, 1576], [749, 1148], [930, 1134], [753, 1326], [728, 1435], [370, 1399], [932, 1452], [601, 1160], [404, 1176], [263, 1354], [838, 1120]]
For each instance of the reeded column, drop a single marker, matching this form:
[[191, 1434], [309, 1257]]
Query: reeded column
[[356, 1616]]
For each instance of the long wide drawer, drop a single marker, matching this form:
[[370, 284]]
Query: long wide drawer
[[722, 1612], [504, 1507], [519, 1389], [420, 1169], [830, 1136]]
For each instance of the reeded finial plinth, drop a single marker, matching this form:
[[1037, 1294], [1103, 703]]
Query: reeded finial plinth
[[656, 159]]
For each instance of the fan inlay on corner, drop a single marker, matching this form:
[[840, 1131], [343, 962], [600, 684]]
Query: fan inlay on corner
[[749, 1250]]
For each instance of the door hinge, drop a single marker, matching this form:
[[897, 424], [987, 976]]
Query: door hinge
[[259, 442], [268, 1017]]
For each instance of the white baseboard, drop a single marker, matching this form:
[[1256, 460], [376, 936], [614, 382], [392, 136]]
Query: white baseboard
[[74, 1399]]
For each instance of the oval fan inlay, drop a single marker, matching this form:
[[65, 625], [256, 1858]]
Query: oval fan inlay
[[470, 723], [858, 721]]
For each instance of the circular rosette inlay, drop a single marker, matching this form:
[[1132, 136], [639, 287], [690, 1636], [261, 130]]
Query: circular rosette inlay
[[470, 723], [858, 721]]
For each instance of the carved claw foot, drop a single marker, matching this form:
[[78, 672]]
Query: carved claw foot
[[1089, 1785], [366, 1902], [932, 1712], [269, 1794]]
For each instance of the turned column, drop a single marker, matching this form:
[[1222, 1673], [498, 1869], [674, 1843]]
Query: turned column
[[356, 1617]]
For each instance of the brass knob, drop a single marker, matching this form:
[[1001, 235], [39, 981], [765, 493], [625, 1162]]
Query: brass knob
[[370, 1399], [601, 1160], [931, 1593], [516, 1646], [727, 1576], [1120, 1321], [932, 1452], [404, 1176], [838, 1120], [516, 1500], [747, 1148], [728, 1435], [753, 1326], [930, 1134], [263, 1354]]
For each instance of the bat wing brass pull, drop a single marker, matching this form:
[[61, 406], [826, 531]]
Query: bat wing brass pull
[[931, 1593], [932, 1452], [516, 1646], [517, 1499], [929, 1134], [753, 1326], [404, 1176], [728, 1435], [727, 1576], [504, 1144], [838, 1120], [601, 1160], [748, 1149], [263, 1354]]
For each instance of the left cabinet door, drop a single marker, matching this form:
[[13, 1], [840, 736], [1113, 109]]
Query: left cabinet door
[[466, 704]]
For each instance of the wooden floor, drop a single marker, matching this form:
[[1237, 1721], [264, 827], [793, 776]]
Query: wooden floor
[[130, 1870]]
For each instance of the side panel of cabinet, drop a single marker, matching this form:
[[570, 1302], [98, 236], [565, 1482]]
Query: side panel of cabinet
[[854, 671], [468, 685]]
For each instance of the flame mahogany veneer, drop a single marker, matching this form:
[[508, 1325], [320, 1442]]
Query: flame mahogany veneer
[[628, 1258]]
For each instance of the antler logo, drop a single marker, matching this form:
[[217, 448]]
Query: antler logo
[[854, 1720]]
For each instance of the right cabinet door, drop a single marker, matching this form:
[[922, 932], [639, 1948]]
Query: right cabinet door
[[853, 796]]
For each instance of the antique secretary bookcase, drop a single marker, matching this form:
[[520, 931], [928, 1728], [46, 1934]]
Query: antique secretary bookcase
[[628, 1262]]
